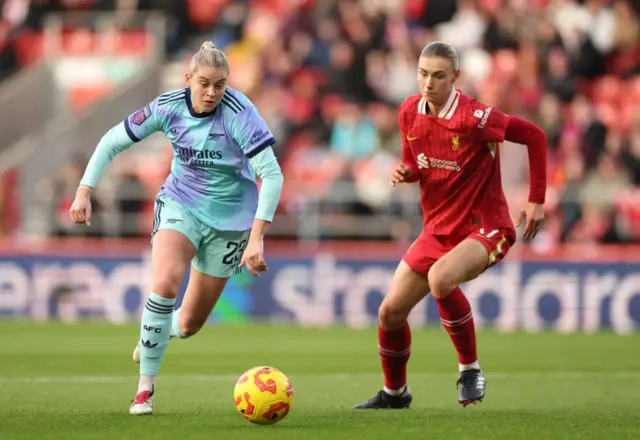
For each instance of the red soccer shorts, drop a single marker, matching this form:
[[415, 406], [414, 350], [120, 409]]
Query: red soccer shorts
[[429, 248]]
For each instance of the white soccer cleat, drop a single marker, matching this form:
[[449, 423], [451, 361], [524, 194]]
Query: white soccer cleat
[[142, 404]]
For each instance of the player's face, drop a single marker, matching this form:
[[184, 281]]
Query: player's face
[[435, 78], [207, 84]]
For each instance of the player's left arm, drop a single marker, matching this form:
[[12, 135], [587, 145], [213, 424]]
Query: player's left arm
[[524, 132], [497, 127], [268, 170], [253, 136]]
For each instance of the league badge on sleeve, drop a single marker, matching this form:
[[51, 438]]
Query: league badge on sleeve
[[141, 115]]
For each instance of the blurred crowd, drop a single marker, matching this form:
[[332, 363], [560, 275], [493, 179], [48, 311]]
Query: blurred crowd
[[22, 18], [329, 76]]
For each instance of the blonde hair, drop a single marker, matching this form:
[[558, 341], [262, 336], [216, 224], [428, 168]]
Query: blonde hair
[[208, 55], [443, 50]]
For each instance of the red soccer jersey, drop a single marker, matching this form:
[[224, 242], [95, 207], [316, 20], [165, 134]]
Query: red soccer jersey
[[457, 159]]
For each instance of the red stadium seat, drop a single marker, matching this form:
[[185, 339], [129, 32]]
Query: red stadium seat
[[132, 43], [202, 13], [29, 47], [79, 98], [79, 42]]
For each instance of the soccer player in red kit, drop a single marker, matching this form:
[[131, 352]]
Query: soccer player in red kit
[[450, 145]]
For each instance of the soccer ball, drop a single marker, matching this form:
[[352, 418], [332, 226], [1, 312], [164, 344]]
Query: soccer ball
[[263, 395]]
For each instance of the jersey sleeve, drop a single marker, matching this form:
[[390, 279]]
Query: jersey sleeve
[[114, 142], [490, 123], [407, 154], [267, 168], [250, 131], [144, 122]]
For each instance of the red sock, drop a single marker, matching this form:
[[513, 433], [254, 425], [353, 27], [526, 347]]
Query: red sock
[[395, 349], [457, 319]]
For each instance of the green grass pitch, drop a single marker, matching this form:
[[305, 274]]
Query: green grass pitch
[[76, 381]]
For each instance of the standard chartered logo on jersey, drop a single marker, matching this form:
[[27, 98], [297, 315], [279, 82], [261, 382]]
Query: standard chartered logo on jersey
[[430, 162]]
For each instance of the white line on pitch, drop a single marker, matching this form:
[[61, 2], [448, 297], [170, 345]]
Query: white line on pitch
[[339, 376]]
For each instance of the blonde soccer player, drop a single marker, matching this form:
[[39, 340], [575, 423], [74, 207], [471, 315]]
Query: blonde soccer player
[[209, 211]]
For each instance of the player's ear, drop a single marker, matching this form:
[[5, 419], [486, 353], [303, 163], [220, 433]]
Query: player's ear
[[186, 79], [456, 75]]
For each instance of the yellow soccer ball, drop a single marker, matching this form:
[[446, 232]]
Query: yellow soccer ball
[[263, 395]]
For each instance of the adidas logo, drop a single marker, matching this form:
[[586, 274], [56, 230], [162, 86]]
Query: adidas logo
[[148, 343]]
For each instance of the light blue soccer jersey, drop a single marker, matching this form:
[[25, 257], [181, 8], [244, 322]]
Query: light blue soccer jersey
[[210, 172]]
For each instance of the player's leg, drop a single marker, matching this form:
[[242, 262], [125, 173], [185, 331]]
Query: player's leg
[[199, 300], [201, 296], [214, 263], [407, 289], [217, 259], [463, 263], [172, 249]]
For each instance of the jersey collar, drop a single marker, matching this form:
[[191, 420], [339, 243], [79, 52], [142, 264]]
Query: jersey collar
[[449, 108], [192, 110]]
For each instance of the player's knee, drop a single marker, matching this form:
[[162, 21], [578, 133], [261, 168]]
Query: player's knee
[[188, 331], [390, 316], [442, 281], [167, 285], [189, 327]]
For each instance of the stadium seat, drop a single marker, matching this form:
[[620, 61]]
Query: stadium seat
[[29, 47], [202, 13], [79, 42], [132, 42], [80, 98]]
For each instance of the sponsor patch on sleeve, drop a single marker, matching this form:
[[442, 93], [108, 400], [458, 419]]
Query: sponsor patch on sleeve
[[141, 115], [258, 136], [485, 117]]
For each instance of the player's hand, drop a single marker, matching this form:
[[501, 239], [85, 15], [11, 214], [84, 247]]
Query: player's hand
[[253, 256], [400, 174], [533, 214], [80, 210]]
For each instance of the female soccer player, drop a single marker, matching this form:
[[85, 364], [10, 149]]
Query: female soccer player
[[450, 145], [208, 212]]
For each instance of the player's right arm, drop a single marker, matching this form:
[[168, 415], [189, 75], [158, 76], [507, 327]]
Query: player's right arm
[[134, 128], [407, 170]]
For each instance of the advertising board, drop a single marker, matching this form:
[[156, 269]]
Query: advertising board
[[328, 286]]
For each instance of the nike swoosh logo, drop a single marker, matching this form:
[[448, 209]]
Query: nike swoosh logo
[[409, 138]]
